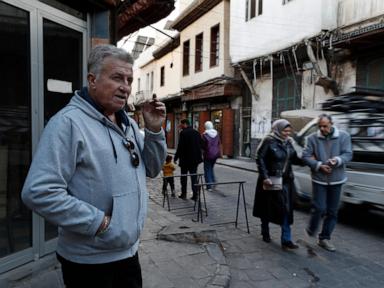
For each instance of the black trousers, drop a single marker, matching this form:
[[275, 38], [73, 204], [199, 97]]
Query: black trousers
[[191, 169], [124, 273], [171, 182]]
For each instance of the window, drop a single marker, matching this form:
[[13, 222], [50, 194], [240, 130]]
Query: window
[[162, 76], [370, 72], [286, 94], [186, 58], [215, 42], [253, 8], [151, 83], [199, 53], [138, 85]]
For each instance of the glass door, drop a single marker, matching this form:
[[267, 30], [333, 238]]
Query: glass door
[[62, 55], [64, 45], [42, 59], [15, 128]]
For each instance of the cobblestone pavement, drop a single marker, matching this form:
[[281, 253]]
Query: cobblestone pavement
[[358, 261]]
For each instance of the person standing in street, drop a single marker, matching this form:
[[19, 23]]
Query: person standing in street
[[211, 146], [275, 187], [88, 175], [189, 152], [168, 169], [326, 152]]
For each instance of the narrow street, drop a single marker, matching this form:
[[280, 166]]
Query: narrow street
[[359, 238]]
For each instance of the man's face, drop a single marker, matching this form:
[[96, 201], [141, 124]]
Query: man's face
[[111, 88], [325, 126]]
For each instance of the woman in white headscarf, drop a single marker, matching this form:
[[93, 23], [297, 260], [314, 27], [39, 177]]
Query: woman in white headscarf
[[211, 146], [274, 202]]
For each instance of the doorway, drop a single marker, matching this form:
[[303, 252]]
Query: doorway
[[44, 56]]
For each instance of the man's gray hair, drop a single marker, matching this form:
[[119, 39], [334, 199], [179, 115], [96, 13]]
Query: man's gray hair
[[100, 52], [325, 115]]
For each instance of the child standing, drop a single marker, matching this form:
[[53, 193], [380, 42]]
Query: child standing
[[168, 169]]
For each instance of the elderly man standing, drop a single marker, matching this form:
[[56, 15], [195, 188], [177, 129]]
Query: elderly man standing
[[88, 175], [327, 151]]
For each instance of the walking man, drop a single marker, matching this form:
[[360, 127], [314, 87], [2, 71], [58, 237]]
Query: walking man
[[326, 152], [189, 152]]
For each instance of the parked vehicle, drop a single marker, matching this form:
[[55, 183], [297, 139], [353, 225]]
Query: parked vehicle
[[365, 185]]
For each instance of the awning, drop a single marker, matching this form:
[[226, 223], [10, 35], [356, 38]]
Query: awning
[[136, 14], [131, 15]]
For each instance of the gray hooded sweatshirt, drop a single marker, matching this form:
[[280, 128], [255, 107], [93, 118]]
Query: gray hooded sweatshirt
[[319, 149], [81, 171]]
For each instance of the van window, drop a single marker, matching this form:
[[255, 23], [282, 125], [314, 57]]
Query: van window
[[310, 130]]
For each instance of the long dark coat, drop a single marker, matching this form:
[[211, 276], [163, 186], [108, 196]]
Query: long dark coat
[[189, 148], [271, 156]]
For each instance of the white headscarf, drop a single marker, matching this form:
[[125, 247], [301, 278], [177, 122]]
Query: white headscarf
[[209, 129]]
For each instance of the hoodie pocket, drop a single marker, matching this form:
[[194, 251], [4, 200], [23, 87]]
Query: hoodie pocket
[[123, 230]]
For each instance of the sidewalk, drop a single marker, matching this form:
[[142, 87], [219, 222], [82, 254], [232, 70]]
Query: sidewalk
[[241, 163], [173, 253]]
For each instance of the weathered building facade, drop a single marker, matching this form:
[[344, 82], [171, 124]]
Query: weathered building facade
[[303, 53], [192, 74], [209, 90]]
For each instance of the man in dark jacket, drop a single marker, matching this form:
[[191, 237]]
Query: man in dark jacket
[[189, 153]]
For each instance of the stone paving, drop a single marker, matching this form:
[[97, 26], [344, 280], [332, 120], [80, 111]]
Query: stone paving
[[230, 257], [358, 261]]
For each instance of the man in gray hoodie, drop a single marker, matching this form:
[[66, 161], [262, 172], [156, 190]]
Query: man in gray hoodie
[[88, 175], [326, 152]]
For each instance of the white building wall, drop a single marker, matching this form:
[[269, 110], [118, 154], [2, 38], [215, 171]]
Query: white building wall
[[203, 25], [354, 11], [172, 74], [278, 27], [145, 65]]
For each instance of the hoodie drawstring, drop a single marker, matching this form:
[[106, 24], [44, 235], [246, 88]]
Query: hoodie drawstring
[[110, 138]]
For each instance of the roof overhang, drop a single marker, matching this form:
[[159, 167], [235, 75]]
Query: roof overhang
[[130, 15], [136, 14], [169, 46], [193, 12]]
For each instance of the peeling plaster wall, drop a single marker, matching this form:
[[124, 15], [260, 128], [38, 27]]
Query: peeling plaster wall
[[261, 109], [312, 95], [346, 76]]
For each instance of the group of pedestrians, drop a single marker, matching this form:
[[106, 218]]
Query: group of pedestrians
[[193, 149], [326, 153], [88, 174]]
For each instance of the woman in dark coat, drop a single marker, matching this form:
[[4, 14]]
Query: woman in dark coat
[[275, 155]]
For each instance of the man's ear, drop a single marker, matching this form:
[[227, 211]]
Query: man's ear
[[91, 80]]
